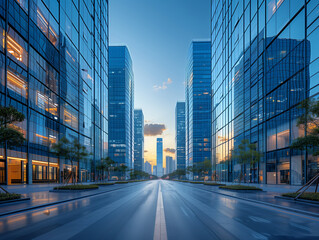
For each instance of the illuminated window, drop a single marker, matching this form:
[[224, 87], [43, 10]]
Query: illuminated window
[[15, 47], [17, 83]]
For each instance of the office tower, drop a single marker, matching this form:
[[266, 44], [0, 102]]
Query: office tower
[[180, 134], [138, 140], [148, 168], [155, 170], [198, 106], [53, 64], [121, 106], [169, 164], [159, 156], [263, 67]]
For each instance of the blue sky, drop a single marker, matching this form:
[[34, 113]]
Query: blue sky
[[158, 34]]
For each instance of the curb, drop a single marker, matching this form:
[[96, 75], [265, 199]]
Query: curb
[[58, 202], [72, 191], [14, 200], [265, 203], [306, 201]]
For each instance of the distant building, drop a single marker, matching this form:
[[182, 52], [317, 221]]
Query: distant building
[[138, 140], [159, 157], [121, 106], [180, 135], [198, 105], [155, 170], [169, 164], [148, 168]]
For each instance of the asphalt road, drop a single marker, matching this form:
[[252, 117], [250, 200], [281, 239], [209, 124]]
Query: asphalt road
[[159, 210]]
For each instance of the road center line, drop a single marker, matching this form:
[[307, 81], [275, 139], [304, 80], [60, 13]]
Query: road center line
[[160, 232]]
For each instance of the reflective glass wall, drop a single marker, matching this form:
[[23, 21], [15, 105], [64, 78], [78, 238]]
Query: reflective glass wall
[[198, 106], [138, 140], [53, 68], [121, 99], [264, 63], [180, 135]]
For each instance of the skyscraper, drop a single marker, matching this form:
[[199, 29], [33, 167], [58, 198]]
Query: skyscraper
[[267, 70], [138, 140], [169, 164], [53, 65], [159, 156], [148, 168], [180, 135], [121, 106], [155, 170], [198, 105]]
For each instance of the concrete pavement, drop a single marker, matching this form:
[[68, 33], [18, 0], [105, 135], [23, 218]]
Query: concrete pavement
[[185, 212]]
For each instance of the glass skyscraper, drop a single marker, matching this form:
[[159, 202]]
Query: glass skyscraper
[[121, 106], [198, 105], [265, 62], [138, 140], [54, 69], [159, 157], [180, 135]]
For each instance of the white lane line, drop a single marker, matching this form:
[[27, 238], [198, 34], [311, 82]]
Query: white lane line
[[160, 232]]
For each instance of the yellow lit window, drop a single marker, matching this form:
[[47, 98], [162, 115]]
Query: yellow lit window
[[17, 84]]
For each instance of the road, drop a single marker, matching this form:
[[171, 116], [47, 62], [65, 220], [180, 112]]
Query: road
[[159, 210]]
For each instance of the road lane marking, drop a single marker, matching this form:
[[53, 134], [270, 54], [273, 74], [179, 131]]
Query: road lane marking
[[160, 232]]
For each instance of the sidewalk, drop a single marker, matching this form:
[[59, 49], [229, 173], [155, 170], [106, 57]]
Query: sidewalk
[[39, 194], [266, 196]]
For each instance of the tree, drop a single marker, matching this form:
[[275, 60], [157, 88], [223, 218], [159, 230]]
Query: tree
[[72, 151], [109, 166], [246, 152], [10, 135], [123, 169], [309, 122]]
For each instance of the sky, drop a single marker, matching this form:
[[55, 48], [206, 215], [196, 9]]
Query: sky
[[158, 34]]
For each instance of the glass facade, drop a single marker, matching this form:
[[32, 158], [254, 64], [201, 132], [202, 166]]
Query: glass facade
[[138, 140], [198, 105], [121, 106], [159, 157], [180, 135], [53, 68], [265, 62]]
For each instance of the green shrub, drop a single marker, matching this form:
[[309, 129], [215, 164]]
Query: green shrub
[[9, 196], [77, 187], [240, 187], [105, 184], [121, 182], [196, 182], [307, 195], [215, 184]]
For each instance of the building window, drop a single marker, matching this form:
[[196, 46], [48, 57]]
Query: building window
[[17, 83], [16, 47]]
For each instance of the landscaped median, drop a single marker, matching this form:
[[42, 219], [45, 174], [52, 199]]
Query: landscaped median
[[306, 196], [121, 182], [77, 187], [214, 184], [9, 196], [105, 184], [240, 188]]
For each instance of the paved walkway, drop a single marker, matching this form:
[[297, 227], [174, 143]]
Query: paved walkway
[[267, 196], [39, 194]]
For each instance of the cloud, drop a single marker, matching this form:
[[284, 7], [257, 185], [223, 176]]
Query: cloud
[[163, 86], [145, 151], [154, 129], [169, 150]]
